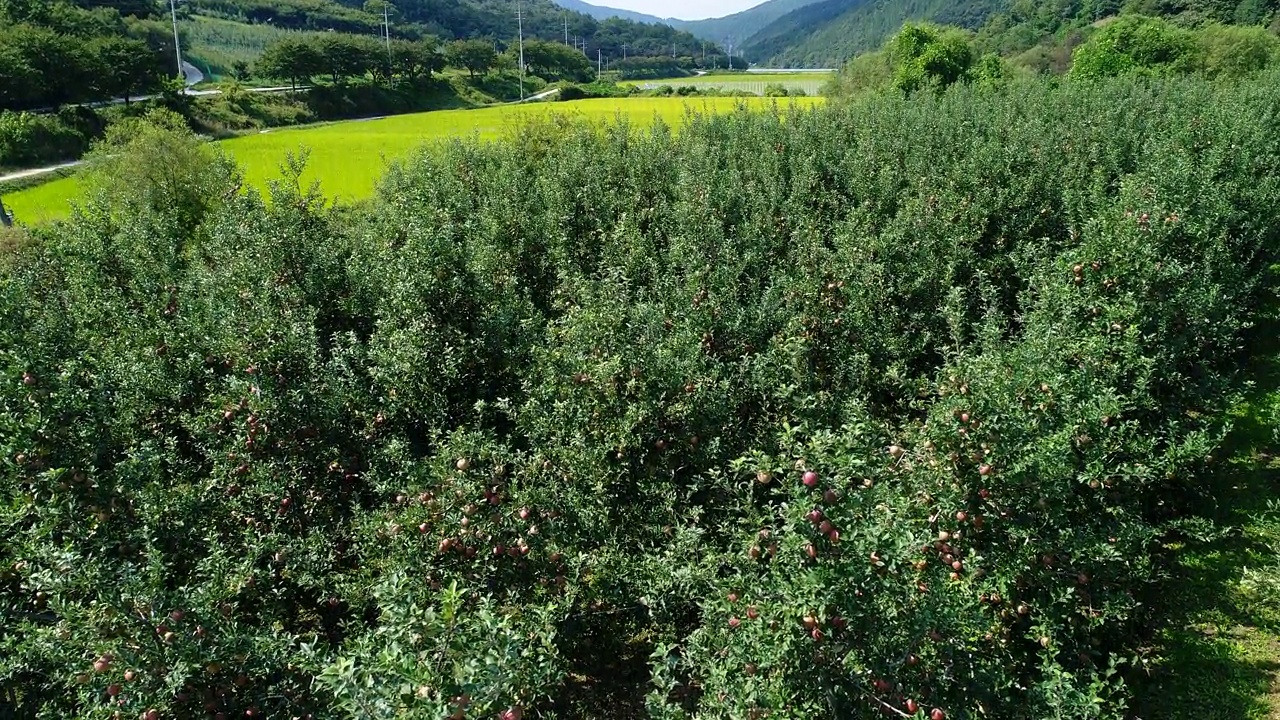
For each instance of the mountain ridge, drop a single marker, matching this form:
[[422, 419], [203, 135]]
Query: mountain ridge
[[735, 28]]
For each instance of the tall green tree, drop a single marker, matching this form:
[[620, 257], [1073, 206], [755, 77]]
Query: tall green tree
[[345, 56], [413, 59], [554, 60], [292, 59], [926, 55], [126, 67], [475, 56], [1139, 45]]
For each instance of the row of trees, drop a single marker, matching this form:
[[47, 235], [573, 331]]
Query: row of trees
[[643, 67], [469, 19], [339, 57], [58, 53]]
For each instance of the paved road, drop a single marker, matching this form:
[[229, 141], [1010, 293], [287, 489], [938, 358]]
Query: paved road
[[37, 171]]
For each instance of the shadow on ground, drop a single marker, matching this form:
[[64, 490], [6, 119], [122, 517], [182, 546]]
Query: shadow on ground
[[1216, 655]]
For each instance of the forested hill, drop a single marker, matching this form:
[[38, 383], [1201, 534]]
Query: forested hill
[[732, 29], [828, 33], [460, 19], [602, 12], [740, 26]]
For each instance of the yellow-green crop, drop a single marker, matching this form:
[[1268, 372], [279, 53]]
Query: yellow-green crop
[[347, 158]]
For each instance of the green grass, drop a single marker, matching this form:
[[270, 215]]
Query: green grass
[[810, 83], [347, 158], [1217, 655]]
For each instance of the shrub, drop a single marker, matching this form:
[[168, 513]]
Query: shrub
[[545, 451], [28, 139]]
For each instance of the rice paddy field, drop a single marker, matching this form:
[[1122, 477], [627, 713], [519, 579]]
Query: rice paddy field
[[348, 158], [755, 83]]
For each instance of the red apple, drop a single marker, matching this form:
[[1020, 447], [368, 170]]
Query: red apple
[[810, 479], [752, 612], [937, 714], [113, 690], [912, 706], [734, 622]]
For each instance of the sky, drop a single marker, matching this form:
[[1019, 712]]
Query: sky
[[682, 9]]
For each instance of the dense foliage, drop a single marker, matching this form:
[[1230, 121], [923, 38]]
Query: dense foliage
[[1040, 34], [922, 55], [468, 19], [54, 52], [883, 405]]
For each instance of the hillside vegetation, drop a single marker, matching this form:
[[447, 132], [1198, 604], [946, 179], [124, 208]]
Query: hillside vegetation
[[932, 57], [890, 406], [827, 34]]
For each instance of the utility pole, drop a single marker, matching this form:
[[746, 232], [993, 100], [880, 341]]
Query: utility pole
[[177, 45], [597, 62], [386, 26], [624, 51], [520, 31], [566, 27]]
